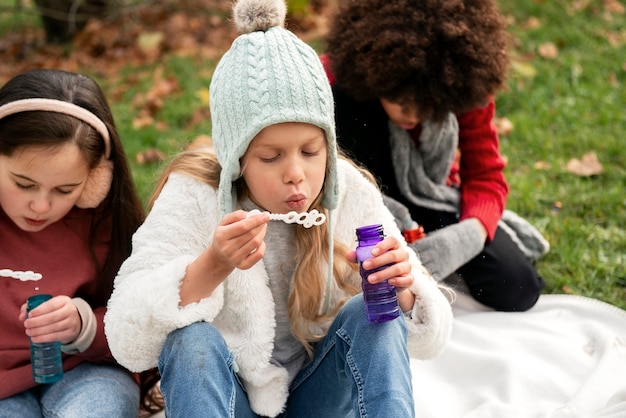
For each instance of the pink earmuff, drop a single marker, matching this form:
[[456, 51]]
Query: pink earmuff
[[97, 185]]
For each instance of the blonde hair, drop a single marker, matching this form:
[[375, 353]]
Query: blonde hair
[[312, 249]]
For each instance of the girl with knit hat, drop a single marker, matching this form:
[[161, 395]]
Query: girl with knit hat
[[413, 83], [246, 316], [68, 209]]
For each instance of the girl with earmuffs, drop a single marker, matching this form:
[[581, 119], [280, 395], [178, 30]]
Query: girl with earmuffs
[[68, 209]]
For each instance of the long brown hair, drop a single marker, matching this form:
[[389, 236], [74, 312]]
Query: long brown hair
[[121, 212]]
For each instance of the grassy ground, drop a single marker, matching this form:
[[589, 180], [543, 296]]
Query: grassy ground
[[563, 106], [565, 97]]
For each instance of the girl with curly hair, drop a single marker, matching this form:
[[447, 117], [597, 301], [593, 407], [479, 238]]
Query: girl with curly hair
[[414, 85]]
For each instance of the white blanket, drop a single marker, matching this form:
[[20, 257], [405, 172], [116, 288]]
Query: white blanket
[[566, 357]]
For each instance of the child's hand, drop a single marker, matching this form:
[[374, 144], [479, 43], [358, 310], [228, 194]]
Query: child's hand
[[388, 251], [238, 241], [56, 319]]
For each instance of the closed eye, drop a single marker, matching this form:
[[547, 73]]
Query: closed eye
[[24, 186], [310, 153], [269, 159]]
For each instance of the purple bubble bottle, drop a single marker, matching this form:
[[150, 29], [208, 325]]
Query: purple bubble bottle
[[45, 357], [381, 301]]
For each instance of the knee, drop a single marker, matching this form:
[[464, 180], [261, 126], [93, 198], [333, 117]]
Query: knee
[[518, 294], [188, 345], [354, 316]]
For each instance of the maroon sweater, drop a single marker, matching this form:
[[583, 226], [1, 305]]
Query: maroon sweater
[[60, 254]]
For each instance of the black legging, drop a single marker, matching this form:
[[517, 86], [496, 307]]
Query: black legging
[[500, 276]]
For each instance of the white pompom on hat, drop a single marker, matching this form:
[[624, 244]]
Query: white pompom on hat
[[268, 76]]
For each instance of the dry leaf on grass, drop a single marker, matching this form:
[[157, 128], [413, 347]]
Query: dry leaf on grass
[[587, 166], [532, 23], [548, 50], [150, 156], [503, 125], [542, 165], [200, 141], [614, 6]]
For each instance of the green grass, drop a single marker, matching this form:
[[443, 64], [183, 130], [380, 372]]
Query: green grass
[[561, 108], [175, 114]]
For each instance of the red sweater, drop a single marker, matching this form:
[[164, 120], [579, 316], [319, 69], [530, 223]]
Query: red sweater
[[478, 168], [60, 254]]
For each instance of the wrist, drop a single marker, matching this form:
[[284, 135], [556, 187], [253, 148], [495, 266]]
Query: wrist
[[406, 299]]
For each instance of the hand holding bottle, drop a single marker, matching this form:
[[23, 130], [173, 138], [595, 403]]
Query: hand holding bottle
[[390, 253], [46, 357], [379, 293], [56, 319]]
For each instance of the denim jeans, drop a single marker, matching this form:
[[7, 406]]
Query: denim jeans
[[88, 390], [359, 369]]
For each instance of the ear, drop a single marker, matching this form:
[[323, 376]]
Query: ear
[[97, 185]]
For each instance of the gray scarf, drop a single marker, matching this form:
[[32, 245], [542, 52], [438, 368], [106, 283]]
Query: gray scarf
[[421, 175], [421, 172]]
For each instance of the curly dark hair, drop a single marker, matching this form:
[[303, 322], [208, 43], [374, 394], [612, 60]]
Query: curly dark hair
[[438, 55]]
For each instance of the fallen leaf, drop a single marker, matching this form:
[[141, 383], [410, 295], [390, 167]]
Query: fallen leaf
[[524, 69], [203, 94], [198, 116], [587, 166], [200, 141], [143, 120], [548, 50], [614, 6], [579, 5], [532, 23], [150, 156], [542, 165], [503, 125], [616, 39], [149, 42]]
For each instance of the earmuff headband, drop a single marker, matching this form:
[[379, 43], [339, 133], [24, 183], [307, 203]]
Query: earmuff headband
[[59, 106]]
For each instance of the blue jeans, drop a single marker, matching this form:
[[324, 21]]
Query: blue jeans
[[88, 390], [359, 370]]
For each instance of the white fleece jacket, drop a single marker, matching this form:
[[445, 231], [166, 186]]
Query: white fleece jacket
[[144, 307]]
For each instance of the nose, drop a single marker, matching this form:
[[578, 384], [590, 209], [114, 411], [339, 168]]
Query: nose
[[40, 204], [411, 116], [294, 170]]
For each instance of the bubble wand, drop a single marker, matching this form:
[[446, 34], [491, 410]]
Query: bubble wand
[[306, 219]]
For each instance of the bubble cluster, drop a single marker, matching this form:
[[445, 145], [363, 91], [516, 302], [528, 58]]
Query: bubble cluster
[[20, 275], [306, 219]]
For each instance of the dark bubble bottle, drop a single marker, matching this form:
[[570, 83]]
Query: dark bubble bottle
[[381, 301], [45, 357]]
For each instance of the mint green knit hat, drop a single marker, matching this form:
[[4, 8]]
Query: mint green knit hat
[[268, 76]]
